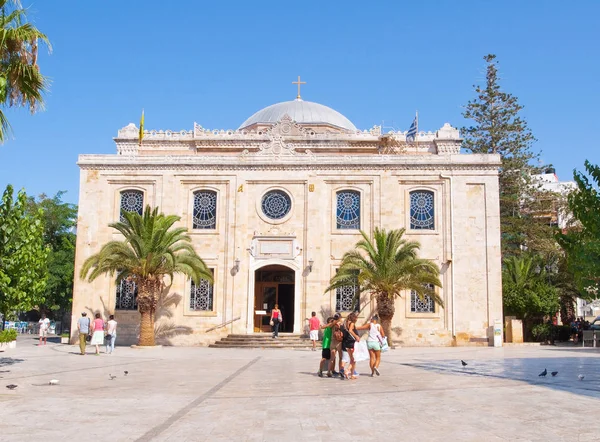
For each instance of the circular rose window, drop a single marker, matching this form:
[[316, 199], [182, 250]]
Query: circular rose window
[[276, 204]]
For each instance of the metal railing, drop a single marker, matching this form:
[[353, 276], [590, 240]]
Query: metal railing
[[223, 324]]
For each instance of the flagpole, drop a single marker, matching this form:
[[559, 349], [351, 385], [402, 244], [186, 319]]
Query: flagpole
[[417, 134]]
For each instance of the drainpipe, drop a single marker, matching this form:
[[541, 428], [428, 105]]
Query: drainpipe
[[448, 177]]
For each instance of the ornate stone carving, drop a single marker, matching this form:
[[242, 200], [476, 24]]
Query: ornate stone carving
[[447, 140], [129, 131]]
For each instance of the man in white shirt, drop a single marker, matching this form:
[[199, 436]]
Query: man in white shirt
[[44, 327]]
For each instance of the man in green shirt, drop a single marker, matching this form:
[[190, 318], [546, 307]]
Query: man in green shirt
[[326, 352]]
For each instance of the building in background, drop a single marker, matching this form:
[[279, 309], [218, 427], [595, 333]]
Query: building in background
[[273, 206]]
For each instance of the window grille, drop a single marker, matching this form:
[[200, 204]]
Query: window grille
[[347, 297], [422, 305], [201, 296], [126, 295]]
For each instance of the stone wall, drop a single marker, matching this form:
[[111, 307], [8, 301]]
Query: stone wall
[[465, 242]]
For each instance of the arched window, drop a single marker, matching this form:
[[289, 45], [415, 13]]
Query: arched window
[[132, 201], [201, 295], [422, 210], [205, 210], [348, 209]]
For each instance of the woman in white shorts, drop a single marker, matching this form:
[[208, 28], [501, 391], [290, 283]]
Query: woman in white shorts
[[376, 335]]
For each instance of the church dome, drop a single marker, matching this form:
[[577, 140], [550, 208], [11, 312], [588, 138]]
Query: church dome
[[303, 112]]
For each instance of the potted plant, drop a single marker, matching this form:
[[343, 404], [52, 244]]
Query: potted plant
[[65, 338], [8, 338]]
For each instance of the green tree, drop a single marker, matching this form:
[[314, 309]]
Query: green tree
[[151, 250], [499, 129], [21, 83], [59, 219], [527, 290], [387, 266], [582, 242], [23, 256]]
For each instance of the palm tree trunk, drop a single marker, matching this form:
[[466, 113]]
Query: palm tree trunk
[[386, 309], [146, 328], [147, 296]]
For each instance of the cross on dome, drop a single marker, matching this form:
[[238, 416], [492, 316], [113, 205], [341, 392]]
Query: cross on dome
[[298, 83]]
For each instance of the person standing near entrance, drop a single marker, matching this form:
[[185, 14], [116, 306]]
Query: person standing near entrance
[[315, 325], [83, 325], [276, 320]]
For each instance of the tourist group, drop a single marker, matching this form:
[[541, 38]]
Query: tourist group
[[341, 339], [97, 332]]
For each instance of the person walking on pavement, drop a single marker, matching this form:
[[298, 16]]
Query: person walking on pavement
[[111, 334], [276, 320], [98, 336], [83, 325]]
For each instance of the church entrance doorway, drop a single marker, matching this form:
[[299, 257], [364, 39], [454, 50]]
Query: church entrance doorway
[[274, 285]]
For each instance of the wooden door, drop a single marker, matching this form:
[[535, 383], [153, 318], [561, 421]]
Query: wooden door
[[264, 300]]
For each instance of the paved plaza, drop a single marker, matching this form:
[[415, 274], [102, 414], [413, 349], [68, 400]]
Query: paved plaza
[[195, 394]]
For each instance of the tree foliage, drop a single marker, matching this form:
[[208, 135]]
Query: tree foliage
[[23, 256], [498, 128], [387, 266], [60, 220], [151, 251], [21, 83], [527, 291], [582, 242]]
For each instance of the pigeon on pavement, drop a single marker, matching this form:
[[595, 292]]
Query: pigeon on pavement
[[580, 377], [554, 373], [543, 373], [11, 386], [126, 372], [464, 364], [111, 377]]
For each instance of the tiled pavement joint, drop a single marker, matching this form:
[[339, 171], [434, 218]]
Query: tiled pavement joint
[[156, 431]]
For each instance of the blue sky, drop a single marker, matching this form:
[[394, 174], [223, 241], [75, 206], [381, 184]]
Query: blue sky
[[218, 62]]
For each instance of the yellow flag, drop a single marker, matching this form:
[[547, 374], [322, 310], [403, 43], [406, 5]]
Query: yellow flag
[[142, 127]]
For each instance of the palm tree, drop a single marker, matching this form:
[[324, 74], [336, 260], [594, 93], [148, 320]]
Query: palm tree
[[21, 83], [385, 268], [150, 251]]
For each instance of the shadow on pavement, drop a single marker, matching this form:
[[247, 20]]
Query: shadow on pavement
[[5, 362], [527, 370]]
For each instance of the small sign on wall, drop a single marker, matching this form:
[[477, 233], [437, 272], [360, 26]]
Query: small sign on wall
[[275, 248]]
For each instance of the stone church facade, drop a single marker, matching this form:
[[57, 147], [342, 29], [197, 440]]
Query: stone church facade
[[271, 208]]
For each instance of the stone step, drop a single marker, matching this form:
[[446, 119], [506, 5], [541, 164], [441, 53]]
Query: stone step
[[263, 340], [254, 345]]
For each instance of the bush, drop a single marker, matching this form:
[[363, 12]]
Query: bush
[[541, 332], [8, 335]]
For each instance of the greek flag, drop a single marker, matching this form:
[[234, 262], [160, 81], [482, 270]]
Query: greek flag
[[412, 131]]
